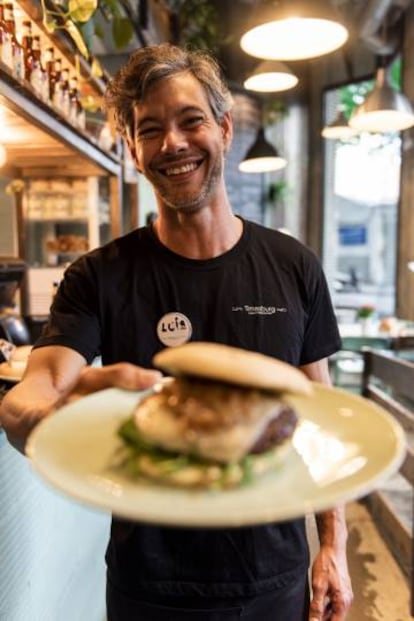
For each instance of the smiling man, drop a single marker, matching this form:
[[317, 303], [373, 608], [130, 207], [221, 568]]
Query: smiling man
[[197, 273]]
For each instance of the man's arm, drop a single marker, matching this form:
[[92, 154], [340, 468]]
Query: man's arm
[[331, 584], [55, 375]]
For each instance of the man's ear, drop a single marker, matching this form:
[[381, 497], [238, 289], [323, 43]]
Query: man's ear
[[227, 130]]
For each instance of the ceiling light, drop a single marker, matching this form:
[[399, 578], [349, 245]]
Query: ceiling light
[[3, 155], [262, 156], [384, 109], [295, 30], [271, 76], [339, 128]]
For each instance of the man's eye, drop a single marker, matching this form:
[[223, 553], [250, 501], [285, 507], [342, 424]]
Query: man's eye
[[148, 132], [193, 121]]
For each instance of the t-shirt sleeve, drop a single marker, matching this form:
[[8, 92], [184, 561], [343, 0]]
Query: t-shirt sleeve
[[74, 317], [321, 336]]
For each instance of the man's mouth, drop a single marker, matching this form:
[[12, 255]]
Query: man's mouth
[[180, 169]]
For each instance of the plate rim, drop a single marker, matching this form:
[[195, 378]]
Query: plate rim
[[267, 515]]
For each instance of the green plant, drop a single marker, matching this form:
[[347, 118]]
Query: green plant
[[365, 311], [195, 23], [81, 19]]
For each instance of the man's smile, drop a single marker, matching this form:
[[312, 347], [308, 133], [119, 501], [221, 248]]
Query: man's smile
[[179, 168]]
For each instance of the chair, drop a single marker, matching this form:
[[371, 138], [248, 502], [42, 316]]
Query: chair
[[389, 381], [402, 342], [348, 363]]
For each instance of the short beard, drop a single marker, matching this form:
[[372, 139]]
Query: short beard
[[191, 203]]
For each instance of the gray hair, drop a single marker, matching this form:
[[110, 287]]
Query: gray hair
[[148, 65]]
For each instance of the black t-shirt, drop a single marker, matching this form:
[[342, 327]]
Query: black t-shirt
[[133, 297]]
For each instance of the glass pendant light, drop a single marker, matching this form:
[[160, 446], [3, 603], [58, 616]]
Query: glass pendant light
[[271, 76], [384, 109], [262, 156], [339, 128], [295, 30]]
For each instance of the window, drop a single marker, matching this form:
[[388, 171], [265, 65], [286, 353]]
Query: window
[[361, 195]]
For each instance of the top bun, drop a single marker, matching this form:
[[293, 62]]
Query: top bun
[[232, 365]]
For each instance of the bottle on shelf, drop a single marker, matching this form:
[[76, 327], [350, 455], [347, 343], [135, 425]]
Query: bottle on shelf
[[17, 56], [50, 67], [5, 40], [76, 112], [57, 88], [27, 44], [64, 93], [39, 78]]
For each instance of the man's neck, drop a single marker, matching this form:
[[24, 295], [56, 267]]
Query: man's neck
[[201, 235]]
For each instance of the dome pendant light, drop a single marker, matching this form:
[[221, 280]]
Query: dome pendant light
[[339, 128], [384, 109], [295, 30], [271, 76], [262, 156]]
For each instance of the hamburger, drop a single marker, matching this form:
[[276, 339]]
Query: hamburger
[[219, 421]]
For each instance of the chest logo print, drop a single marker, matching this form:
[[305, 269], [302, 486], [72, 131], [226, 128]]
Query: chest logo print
[[174, 329], [259, 310]]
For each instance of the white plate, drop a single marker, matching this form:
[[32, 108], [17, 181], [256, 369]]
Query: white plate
[[344, 447]]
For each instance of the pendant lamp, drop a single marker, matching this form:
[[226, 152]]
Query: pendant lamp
[[384, 109], [294, 30], [339, 128], [271, 76], [262, 156]]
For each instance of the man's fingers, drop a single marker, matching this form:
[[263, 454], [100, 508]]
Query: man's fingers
[[121, 375], [317, 605]]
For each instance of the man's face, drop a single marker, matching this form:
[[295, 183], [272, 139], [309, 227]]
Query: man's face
[[178, 145]]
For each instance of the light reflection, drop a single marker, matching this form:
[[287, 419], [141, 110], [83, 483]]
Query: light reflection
[[106, 485], [327, 458]]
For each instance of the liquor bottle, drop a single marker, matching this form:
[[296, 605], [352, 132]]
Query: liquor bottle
[[39, 78], [17, 64], [77, 113], [27, 43], [63, 93], [56, 100], [6, 42], [51, 73]]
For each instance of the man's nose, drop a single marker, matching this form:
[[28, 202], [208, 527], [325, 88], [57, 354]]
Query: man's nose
[[174, 140]]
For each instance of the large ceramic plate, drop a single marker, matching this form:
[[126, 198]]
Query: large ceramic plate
[[344, 447]]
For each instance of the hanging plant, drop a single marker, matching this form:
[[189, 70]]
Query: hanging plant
[[195, 23], [81, 20]]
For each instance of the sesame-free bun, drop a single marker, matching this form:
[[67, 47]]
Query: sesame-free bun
[[232, 365]]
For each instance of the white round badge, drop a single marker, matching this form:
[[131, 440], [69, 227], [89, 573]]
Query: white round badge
[[174, 329]]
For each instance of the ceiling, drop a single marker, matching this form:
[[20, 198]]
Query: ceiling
[[365, 20], [32, 149]]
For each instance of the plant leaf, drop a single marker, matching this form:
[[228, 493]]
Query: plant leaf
[[49, 23], [122, 31], [96, 69], [74, 32], [82, 10]]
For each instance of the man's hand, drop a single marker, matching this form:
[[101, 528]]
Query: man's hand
[[120, 375], [331, 586], [57, 375]]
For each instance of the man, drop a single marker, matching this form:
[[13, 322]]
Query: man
[[196, 269]]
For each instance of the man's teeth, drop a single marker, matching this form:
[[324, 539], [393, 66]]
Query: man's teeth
[[179, 170]]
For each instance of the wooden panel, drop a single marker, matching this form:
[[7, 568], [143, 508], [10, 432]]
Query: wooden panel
[[405, 278], [31, 149]]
